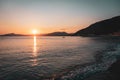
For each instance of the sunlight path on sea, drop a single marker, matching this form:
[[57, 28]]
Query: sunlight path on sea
[[34, 52]]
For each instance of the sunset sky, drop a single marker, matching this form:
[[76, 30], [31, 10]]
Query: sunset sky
[[23, 16]]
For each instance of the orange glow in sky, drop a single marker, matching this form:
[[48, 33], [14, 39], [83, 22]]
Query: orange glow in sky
[[22, 16], [34, 32]]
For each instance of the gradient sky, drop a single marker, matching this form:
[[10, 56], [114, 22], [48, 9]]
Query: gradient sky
[[22, 16]]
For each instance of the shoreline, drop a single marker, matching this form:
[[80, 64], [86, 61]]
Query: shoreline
[[112, 73], [103, 60]]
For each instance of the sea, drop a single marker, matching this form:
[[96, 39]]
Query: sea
[[56, 57]]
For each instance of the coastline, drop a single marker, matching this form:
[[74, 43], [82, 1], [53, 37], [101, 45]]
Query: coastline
[[112, 73], [100, 68]]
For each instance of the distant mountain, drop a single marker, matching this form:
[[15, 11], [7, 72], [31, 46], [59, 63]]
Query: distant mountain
[[12, 34], [56, 34], [49, 34], [105, 27]]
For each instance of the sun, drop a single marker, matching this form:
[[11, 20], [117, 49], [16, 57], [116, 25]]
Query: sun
[[34, 32]]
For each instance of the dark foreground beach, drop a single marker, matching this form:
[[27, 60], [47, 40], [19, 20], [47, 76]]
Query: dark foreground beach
[[112, 73]]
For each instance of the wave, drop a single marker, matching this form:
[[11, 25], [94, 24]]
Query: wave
[[104, 59]]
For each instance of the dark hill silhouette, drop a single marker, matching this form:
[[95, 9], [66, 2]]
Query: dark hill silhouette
[[49, 34], [56, 34], [12, 34], [109, 26]]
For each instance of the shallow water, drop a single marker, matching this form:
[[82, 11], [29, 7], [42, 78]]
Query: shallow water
[[35, 58]]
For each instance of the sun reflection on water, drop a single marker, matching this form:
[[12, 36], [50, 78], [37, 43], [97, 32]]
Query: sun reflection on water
[[34, 48], [34, 52]]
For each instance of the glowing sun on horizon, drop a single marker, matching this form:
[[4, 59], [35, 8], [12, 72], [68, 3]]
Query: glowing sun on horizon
[[34, 32]]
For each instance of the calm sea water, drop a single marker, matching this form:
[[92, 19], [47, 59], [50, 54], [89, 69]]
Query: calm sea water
[[37, 58]]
